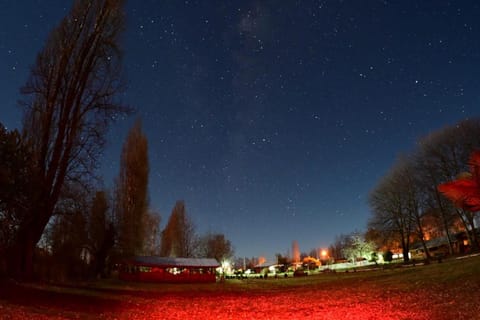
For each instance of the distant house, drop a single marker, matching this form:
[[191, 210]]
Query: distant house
[[266, 267], [163, 269], [439, 246]]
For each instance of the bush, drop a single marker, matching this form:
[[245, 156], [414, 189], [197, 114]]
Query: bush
[[388, 256]]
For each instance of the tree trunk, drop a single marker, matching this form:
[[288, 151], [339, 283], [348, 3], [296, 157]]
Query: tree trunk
[[445, 222], [427, 253], [421, 236], [406, 257], [474, 236], [449, 238], [469, 225], [20, 258], [21, 254], [405, 247]]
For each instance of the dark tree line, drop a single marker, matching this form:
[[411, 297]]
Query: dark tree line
[[406, 204]]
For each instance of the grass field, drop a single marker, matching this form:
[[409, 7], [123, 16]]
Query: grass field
[[448, 290]]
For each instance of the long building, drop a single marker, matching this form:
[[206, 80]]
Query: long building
[[163, 269]]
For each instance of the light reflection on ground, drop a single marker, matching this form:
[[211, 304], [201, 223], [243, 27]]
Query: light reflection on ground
[[437, 291]]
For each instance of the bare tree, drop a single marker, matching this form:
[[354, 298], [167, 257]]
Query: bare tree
[[336, 249], [178, 237], [392, 212], [132, 193], [415, 200], [442, 156], [215, 246], [407, 200], [358, 247], [69, 102]]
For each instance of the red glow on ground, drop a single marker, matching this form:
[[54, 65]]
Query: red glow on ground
[[365, 302]]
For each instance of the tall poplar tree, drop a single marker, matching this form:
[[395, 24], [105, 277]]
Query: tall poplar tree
[[132, 193], [178, 237]]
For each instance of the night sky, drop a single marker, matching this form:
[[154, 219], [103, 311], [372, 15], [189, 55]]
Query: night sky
[[273, 120]]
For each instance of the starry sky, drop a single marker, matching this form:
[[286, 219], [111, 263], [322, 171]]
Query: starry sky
[[273, 120]]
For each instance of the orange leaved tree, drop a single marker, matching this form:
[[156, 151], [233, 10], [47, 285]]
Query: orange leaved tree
[[464, 192]]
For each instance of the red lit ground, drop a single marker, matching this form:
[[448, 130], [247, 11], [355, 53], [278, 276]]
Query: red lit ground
[[405, 293]]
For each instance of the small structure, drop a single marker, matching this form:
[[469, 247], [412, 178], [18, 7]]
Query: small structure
[[266, 268], [163, 269], [439, 246]]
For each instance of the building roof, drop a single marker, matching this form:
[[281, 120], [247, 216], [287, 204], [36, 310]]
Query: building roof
[[266, 264], [174, 262], [433, 243]]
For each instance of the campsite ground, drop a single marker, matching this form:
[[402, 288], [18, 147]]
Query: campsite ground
[[448, 290]]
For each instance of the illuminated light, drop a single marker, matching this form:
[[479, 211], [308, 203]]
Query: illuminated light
[[225, 268], [272, 269]]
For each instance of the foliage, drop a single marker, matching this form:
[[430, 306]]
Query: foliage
[[357, 247], [464, 192], [388, 256]]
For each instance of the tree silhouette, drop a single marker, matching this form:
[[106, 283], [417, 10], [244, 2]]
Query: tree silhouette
[[441, 156], [69, 100], [295, 251], [132, 193], [152, 235], [178, 237], [464, 192], [216, 246], [392, 210], [101, 232]]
